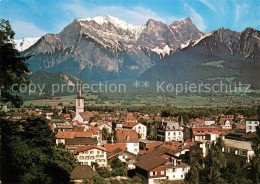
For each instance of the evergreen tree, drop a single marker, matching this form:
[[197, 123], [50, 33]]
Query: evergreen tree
[[13, 68], [28, 154], [255, 161]]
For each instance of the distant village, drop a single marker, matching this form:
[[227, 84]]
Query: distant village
[[153, 147]]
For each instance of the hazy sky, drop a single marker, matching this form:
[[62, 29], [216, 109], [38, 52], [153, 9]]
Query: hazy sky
[[31, 18]]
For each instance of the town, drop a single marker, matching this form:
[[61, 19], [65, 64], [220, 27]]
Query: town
[[147, 147]]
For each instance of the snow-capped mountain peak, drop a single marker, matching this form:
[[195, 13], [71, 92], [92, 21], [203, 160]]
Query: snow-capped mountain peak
[[25, 43], [120, 24]]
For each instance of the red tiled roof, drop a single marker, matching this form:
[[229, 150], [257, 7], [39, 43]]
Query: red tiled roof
[[154, 144], [204, 131], [66, 126], [65, 135], [84, 134], [90, 147], [129, 124], [113, 147], [223, 120], [122, 135]]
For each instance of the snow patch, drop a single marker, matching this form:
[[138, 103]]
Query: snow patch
[[186, 44], [201, 38], [165, 50], [25, 43], [67, 79], [120, 24]]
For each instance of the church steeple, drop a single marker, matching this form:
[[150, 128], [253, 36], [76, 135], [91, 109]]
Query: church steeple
[[79, 90], [79, 100]]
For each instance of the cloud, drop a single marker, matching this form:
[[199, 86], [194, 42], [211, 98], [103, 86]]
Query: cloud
[[240, 9], [209, 5], [196, 17], [134, 15], [25, 29]]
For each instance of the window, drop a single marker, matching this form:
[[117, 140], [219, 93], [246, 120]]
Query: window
[[81, 158], [101, 156], [86, 152], [179, 133], [91, 152], [169, 133], [98, 152], [86, 158], [181, 176], [162, 172]]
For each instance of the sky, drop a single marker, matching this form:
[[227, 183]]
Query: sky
[[33, 18]]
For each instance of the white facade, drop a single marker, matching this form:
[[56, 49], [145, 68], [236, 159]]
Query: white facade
[[251, 125], [241, 148], [156, 180], [209, 122], [60, 141], [177, 172], [80, 119], [227, 125], [92, 156], [174, 135], [132, 147], [141, 130]]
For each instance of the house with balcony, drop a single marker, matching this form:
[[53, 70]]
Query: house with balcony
[[88, 155], [161, 164], [169, 131]]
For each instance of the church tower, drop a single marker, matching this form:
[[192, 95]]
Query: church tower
[[79, 100]]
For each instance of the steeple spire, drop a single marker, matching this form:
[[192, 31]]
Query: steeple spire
[[79, 89]]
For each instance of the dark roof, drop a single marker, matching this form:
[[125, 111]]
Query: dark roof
[[149, 164], [253, 118], [114, 153], [82, 172], [81, 141], [152, 159]]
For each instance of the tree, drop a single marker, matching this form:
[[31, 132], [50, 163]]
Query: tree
[[28, 150], [116, 163], [214, 162], [119, 168], [104, 172], [98, 180], [104, 134], [14, 70], [255, 161]]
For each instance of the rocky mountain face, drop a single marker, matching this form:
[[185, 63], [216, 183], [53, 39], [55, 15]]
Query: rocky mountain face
[[220, 55], [107, 48]]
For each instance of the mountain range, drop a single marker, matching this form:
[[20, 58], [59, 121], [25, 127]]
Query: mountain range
[[107, 48]]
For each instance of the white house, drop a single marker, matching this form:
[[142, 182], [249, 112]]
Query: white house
[[227, 125], [209, 122], [87, 155], [251, 124], [130, 138], [169, 131], [138, 127]]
